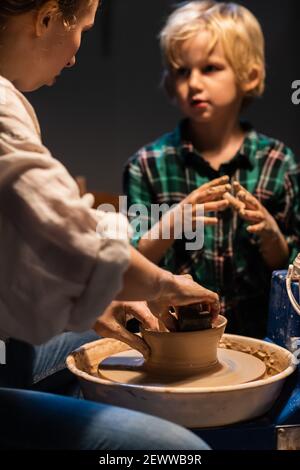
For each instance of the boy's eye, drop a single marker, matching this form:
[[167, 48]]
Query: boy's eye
[[210, 68], [182, 72]]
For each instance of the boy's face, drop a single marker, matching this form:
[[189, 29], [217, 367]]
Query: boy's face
[[205, 86]]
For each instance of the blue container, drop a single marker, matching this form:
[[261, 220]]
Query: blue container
[[283, 320]]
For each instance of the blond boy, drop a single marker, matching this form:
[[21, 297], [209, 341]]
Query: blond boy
[[215, 66]]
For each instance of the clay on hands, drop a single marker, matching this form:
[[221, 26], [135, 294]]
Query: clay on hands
[[234, 202]]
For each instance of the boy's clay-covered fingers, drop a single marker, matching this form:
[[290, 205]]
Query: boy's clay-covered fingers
[[200, 196], [206, 188], [216, 182], [216, 206], [210, 194], [205, 220], [252, 216], [250, 201], [257, 228], [238, 187], [235, 203], [245, 196]]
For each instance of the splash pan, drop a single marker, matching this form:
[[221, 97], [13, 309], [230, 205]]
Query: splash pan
[[244, 385]]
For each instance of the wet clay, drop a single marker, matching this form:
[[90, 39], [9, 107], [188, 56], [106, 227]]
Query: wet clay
[[183, 353], [233, 367], [274, 362]]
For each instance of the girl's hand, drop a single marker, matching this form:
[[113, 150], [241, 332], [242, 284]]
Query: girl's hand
[[162, 310], [182, 290], [112, 323]]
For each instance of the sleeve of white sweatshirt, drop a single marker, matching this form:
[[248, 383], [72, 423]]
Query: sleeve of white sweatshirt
[[61, 262]]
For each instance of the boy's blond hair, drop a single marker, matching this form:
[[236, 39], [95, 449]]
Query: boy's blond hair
[[235, 26]]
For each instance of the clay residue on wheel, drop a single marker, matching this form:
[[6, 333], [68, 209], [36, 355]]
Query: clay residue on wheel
[[274, 362]]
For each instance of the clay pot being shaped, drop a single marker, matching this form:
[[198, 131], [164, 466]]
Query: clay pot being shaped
[[183, 353]]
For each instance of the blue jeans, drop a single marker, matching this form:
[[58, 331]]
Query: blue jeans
[[43, 368], [33, 419]]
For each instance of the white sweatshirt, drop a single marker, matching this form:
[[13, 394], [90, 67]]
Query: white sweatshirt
[[56, 272]]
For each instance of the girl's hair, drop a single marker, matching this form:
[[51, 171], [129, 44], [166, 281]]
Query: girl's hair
[[235, 26], [67, 8]]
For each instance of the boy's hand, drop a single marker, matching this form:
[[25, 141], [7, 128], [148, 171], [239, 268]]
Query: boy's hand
[[234, 202], [211, 196], [251, 210]]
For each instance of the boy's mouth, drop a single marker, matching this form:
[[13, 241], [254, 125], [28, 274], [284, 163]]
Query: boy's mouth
[[198, 103]]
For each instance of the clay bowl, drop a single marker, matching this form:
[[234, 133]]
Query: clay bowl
[[183, 353]]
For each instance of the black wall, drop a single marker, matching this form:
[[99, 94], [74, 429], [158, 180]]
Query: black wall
[[110, 104]]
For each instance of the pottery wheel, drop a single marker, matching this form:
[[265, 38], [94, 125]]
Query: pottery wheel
[[234, 368]]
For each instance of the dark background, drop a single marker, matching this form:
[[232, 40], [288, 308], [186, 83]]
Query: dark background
[[110, 104]]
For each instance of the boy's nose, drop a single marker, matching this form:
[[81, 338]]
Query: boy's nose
[[195, 80]]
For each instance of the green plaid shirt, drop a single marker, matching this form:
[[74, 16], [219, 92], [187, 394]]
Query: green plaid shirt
[[230, 263]]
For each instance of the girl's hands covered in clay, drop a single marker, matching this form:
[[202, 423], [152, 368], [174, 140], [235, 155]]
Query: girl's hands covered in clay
[[180, 290], [185, 291], [188, 292], [211, 196], [112, 323]]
